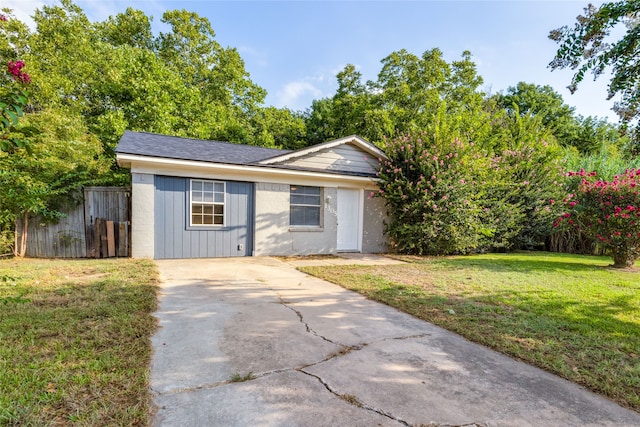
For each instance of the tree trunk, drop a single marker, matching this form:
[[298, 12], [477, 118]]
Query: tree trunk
[[16, 223], [622, 260], [20, 248]]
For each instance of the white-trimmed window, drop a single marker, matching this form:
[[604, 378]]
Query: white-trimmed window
[[305, 206], [207, 203]]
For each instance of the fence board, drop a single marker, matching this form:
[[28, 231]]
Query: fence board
[[123, 239], [111, 240]]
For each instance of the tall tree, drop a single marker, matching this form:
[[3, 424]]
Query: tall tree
[[587, 135], [586, 47], [406, 96]]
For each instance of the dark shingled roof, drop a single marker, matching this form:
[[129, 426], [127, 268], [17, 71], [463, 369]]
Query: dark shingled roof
[[173, 147]]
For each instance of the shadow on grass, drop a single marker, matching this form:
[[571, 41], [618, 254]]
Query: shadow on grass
[[530, 262]]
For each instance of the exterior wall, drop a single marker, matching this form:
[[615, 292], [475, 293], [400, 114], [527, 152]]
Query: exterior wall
[[142, 215], [341, 158], [274, 235], [175, 238], [375, 213]]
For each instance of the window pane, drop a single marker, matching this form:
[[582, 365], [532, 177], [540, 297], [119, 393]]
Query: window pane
[[207, 209], [208, 197], [297, 215], [208, 186], [305, 215], [297, 199], [301, 199], [219, 198], [197, 196], [297, 189], [207, 219], [217, 220], [312, 216], [196, 185], [311, 190], [218, 209], [196, 219], [311, 200], [219, 187], [196, 208]]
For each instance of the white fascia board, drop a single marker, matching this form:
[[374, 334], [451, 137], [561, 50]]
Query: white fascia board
[[356, 140], [194, 169]]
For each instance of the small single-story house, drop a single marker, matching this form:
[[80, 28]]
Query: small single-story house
[[193, 198]]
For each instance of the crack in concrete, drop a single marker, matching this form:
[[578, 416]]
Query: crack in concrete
[[306, 325], [353, 400], [345, 349], [207, 386]]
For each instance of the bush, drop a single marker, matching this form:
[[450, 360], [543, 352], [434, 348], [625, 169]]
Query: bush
[[606, 211], [431, 195], [445, 196]]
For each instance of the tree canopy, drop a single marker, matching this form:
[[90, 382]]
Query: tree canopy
[[587, 46]]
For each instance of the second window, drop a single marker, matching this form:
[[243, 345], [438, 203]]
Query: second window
[[305, 206]]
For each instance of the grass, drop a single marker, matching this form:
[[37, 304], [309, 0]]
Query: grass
[[570, 315], [238, 378], [75, 346]]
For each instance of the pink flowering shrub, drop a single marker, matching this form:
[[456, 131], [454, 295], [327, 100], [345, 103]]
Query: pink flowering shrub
[[606, 211], [15, 69], [13, 101], [430, 194]]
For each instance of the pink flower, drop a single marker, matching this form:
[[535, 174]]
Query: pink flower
[[15, 68], [3, 18]]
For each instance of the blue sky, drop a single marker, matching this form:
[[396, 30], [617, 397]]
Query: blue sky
[[294, 49]]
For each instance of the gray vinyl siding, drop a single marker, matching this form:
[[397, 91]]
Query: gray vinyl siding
[[344, 157], [176, 239]]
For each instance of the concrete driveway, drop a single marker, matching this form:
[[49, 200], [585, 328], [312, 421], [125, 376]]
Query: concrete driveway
[[320, 355]]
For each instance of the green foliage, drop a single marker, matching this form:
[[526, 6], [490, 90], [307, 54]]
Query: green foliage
[[587, 135], [63, 158], [117, 75], [430, 194], [586, 47], [406, 97], [446, 195], [517, 185], [606, 211]]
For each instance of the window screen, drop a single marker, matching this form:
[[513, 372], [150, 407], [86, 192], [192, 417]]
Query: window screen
[[305, 206]]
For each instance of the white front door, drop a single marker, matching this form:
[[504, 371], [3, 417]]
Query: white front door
[[349, 220]]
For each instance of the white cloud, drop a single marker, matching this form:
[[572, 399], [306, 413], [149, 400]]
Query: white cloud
[[293, 94]]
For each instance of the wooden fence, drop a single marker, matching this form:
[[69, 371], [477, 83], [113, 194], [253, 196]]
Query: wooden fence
[[99, 227]]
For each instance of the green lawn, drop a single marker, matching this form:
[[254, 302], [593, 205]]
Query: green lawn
[[74, 341], [568, 314]]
